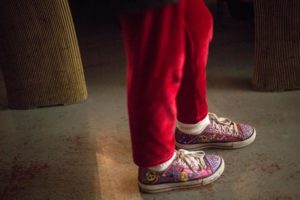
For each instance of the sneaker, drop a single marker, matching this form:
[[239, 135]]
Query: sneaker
[[220, 133], [189, 169]]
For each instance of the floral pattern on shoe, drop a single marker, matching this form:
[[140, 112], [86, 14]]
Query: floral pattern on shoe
[[187, 166], [219, 131]]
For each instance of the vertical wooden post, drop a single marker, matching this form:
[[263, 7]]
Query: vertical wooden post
[[39, 54]]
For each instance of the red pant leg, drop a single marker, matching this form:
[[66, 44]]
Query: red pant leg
[[191, 99], [155, 49]]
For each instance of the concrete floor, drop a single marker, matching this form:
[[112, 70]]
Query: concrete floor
[[82, 152]]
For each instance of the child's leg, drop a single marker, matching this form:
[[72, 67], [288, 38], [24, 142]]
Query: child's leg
[[191, 99], [155, 47], [154, 43], [197, 129]]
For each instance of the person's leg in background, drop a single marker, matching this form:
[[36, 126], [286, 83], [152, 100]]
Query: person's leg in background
[[155, 49], [196, 129]]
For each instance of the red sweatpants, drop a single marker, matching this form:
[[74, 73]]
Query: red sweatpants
[[166, 51]]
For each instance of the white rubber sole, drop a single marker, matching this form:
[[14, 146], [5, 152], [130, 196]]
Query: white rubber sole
[[227, 145], [183, 185]]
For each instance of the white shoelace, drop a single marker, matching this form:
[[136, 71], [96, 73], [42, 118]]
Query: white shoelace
[[223, 124], [189, 157]]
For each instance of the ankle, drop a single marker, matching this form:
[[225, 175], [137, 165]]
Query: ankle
[[163, 166], [194, 129]]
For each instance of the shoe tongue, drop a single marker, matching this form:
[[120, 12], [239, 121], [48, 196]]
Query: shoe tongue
[[241, 133], [207, 163], [239, 127]]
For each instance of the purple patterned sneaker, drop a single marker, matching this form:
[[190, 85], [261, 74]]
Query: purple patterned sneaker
[[189, 169], [220, 133]]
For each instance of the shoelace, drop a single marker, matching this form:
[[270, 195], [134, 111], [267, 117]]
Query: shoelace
[[189, 157], [224, 124]]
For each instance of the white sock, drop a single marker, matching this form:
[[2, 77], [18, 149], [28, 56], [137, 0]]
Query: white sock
[[194, 129], [163, 166]]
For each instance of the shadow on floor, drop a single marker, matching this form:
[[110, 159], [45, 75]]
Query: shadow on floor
[[234, 83]]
